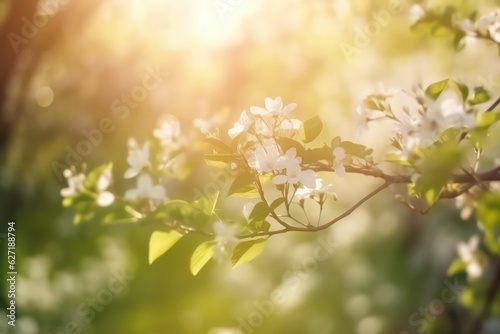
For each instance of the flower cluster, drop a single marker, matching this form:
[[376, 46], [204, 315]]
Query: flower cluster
[[487, 26], [143, 165], [418, 117]]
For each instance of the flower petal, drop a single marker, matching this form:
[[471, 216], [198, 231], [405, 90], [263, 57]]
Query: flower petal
[[104, 180], [105, 198]]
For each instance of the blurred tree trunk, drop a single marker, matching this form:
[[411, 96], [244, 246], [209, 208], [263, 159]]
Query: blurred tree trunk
[[13, 24], [63, 25]]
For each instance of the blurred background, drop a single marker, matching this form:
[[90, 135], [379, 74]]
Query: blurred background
[[67, 65]]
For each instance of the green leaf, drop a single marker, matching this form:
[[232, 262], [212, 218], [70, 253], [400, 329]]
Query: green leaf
[[463, 90], [259, 212], [375, 102], [201, 255], [317, 154], [246, 251], [487, 119], [84, 215], [479, 135], [93, 176], [435, 89], [311, 129], [77, 200], [488, 212], [207, 204], [288, 143], [243, 183], [117, 213], [481, 95], [492, 241], [174, 210], [456, 267], [354, 149], [436, 170], [276, 203], [160, 242]]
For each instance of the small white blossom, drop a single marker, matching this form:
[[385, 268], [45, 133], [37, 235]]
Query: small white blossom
[[226, 239], [473, 257], [168, 132], [273, 107], [104, 197], [489, 24], [293, 171], [146, 190], [319, 190], [76, 183], [339, 155], [423, 124], [138, 158], [241, 125], [265, 158], [416, 13]]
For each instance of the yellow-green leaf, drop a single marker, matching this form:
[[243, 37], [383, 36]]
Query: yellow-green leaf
[[247, 251], [201, 255], [160, 242]]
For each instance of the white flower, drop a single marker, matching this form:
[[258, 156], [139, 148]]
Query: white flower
[[241, 125], [416, 13], [76, 183], [104, 197], [226, 240], [473, 257], [319, 190], [454, 113], [339, 155], [138, 158], [273, 107], [169, 131], [294, 173], [265, 158], [146, 190], [423, 124], [490, 24]]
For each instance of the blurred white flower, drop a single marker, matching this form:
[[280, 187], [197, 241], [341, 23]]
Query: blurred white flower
[[422, 125], [466, 204], [290, 124], [104, 197], [241, 125], [138, 158], [294, 173], [416, 13], [489, 24], [273, 107], [146, 190], [319, 190], [76, 183], [339, 155], [226, 240], [473, 257], [265, 158], [168, 132]]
